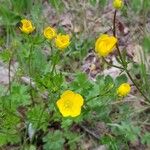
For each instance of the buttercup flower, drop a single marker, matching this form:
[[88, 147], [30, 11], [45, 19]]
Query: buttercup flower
[[62, 41], [27, 26], [49, 33], [117, 4], [105, 44], [123, 89], [70, 104]]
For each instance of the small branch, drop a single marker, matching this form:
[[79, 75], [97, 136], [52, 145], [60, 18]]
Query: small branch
[[112, 64]]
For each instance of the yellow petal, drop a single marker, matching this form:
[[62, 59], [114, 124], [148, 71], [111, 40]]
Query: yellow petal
[[124, 89], [78, 100], [60, 105], [68, 94], [75, 112]]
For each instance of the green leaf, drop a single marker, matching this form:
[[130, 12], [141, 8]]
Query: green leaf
[[56, 4], [110, 142], [22, 6], [103, 3], [73, 139], [136, 5], [146, 44], [66, 123], [3, 139], [54, 140], [9, 18], [121, 79], [146, 138], [38, 117], [5, 55], [31, 147], [6, 138], [8, 129], [93, 2], [81, 83], [19, 95], [128, 130]]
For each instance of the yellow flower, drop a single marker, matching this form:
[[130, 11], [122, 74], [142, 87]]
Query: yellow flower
[[105, 44], [117, 4], [123, 89], [27, 26], [62, 41], [70, 104], [49, 33]]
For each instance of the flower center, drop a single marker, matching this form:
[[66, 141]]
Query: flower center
[[63, 40], [26, 25], [49, 31]]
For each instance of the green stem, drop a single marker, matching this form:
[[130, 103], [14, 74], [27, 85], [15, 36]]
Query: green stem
[[112, 64], [30, 74], [41, 115], [39, 120], [135, 84], [9, 76], [99, 95], [123, 62]]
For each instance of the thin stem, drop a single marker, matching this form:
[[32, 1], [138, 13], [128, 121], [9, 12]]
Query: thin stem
[[123, 62], [114, 24], [120, 56], [9, 78], [22, 145], [112, 64], [9, 70], [41, 115], [108, 90], [9, 75], [128, 101], [135, 84], [39, 120], [30, 74]]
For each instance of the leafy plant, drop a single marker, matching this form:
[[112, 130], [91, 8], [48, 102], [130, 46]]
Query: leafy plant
[[48, 97]]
